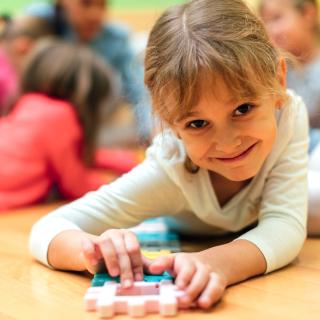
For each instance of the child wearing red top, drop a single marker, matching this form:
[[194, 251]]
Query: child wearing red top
[[47, 140]]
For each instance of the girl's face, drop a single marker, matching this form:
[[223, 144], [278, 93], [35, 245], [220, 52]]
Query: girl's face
[[85, 16], [291, 29], [231, 138]]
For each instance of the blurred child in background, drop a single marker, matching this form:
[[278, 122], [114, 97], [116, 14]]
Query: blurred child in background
[[84, 22], [293, 25], [18, 37], [48, 139]]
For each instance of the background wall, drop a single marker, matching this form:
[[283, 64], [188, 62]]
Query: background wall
[[16, 6]]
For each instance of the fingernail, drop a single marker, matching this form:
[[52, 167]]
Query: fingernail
[[185, 299], [114, 272], [127, 283], [204, 301], [93, 262]]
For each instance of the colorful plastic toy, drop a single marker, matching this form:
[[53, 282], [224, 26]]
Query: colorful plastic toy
[[156, 293], [137, 301]]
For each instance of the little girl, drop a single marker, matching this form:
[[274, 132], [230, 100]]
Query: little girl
[[293, 25], [233, 157], [84, 22], [47, 140]]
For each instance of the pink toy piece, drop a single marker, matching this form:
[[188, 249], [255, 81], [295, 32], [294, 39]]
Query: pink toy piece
[[142, 298], [91, 297]]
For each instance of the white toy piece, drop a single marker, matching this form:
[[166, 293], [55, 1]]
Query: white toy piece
[[142, 298]]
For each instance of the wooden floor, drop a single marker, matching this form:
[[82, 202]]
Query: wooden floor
[[30, 291]]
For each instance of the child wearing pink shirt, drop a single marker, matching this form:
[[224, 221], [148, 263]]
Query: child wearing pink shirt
[[48, 139]]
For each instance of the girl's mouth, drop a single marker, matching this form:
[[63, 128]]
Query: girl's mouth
[[240, 156]]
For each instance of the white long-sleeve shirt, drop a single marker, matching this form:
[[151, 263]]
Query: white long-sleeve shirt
[[276, 197]]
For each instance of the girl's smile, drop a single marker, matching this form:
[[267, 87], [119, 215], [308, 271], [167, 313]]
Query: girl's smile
[[239, 156]]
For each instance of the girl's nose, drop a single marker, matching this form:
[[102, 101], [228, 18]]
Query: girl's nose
[[227, 144]]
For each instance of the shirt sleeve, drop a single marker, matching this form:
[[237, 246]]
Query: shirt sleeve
[[144, 192], [41, 10], [281, 229]]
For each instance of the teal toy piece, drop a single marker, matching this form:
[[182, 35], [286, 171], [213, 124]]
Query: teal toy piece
[[101, 278]]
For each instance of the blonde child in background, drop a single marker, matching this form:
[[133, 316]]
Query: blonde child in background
[[293, 25], [85, 22], [233, 156], [48, 138], [18, 37]]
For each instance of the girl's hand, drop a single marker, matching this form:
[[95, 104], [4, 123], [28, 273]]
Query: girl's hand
[[201, 285], [119, 249]]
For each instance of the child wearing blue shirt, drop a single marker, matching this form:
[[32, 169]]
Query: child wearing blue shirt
[[83, 21]]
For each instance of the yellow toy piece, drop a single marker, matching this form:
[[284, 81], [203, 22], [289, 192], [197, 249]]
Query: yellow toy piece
[[155, 254]]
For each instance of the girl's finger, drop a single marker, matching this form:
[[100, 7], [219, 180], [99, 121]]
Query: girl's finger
[[159, 265], [185, 274], [133, 249], [126, 274], [109, 255], [212, 293], [90, 257], [199, 282]]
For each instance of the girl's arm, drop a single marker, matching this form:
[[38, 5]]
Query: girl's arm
[[144, 192], [235, 261]]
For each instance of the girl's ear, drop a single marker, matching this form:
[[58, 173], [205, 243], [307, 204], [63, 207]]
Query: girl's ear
[[282, 72]]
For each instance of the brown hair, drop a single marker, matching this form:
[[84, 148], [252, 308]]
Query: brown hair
[[72, 73], [212, 39], [27, 26]]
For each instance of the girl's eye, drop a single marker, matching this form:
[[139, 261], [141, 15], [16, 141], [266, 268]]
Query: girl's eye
[[243, 109], [197, 124]]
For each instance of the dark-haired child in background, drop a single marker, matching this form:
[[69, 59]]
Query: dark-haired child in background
[[48, 138]]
